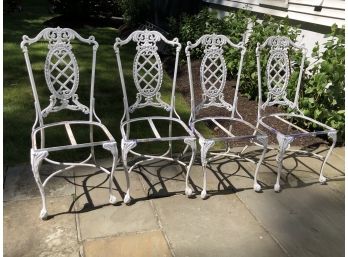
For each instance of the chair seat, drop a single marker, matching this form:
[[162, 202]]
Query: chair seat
[[300, 132], [228, 136], [157, 136], [70, 134]]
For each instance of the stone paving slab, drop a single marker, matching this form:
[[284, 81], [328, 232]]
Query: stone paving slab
[[26, 235], [93, 207], [20, 183], [340, 152], [162, 178], [147, 244], [307, 221], [301, 171], [220, 226]]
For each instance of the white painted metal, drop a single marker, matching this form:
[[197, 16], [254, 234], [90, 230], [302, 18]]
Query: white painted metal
[[62, 78], [277, 74], [148, 76], [331, 12], [213, 79]]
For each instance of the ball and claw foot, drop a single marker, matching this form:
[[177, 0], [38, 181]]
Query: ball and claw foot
[[277, 188], [43, 214], [112, 199], [188, 191], [204, 194], [127, 199], [322, 180], [257, 187]]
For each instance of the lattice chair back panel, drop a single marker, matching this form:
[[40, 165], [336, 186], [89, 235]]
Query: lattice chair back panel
[[278, 70], [213, 77], [213, 72], [147, 69], [148, 76], [61, 70]]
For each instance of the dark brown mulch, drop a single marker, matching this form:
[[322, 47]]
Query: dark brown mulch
[[246, 107]]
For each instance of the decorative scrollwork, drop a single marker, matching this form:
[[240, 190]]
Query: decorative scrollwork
[[126, 146], [278, 42], [58, 36], [36, 159], [205, 144], [147, 71], [213, 73], [147, 39], [284, 142], [278, 72], [191, 142], [112, 147], [213, 41], [62, 76], [263, 140], [61, 69]]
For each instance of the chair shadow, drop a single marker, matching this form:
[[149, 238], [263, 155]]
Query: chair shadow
[[224, 176]]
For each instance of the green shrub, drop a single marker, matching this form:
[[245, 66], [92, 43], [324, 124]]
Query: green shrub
[[136, 12], [192, 27], [323, 93], [269, 26]]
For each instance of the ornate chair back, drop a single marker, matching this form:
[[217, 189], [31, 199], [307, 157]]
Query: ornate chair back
[[61, 73], [280, 70], [213, 73], [147, 72]]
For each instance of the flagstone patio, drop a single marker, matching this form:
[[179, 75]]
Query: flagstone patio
[[304, 219]]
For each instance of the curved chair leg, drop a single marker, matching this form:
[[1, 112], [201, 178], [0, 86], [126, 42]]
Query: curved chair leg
[[192, 143], [284, 142], [112, 147], [36, 160], [205, 146], [126, 146], [333, 136], [264, 141]]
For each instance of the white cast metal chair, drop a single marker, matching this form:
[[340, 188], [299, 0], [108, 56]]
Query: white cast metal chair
[[62, 77], [276, 76], [148, 76], [213, 75]]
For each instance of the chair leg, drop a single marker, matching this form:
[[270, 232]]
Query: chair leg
[[192, 143], [263, 141], [333, 136], [126, 146], [254, 133], [205, 146], [283, 142], [36, 160], [112, 147]]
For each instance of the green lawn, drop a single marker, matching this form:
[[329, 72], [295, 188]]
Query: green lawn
[[19, 112]]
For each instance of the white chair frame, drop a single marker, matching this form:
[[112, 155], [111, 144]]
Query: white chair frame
[[67, 81], [213, 96], [149, 96], [278, 72]]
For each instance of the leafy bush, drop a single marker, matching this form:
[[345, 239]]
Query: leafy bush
[[269, 26], [192, 27], [323, 93], [136, 12]]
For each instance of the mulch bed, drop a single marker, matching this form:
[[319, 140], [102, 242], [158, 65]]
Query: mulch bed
[[246, 107]]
